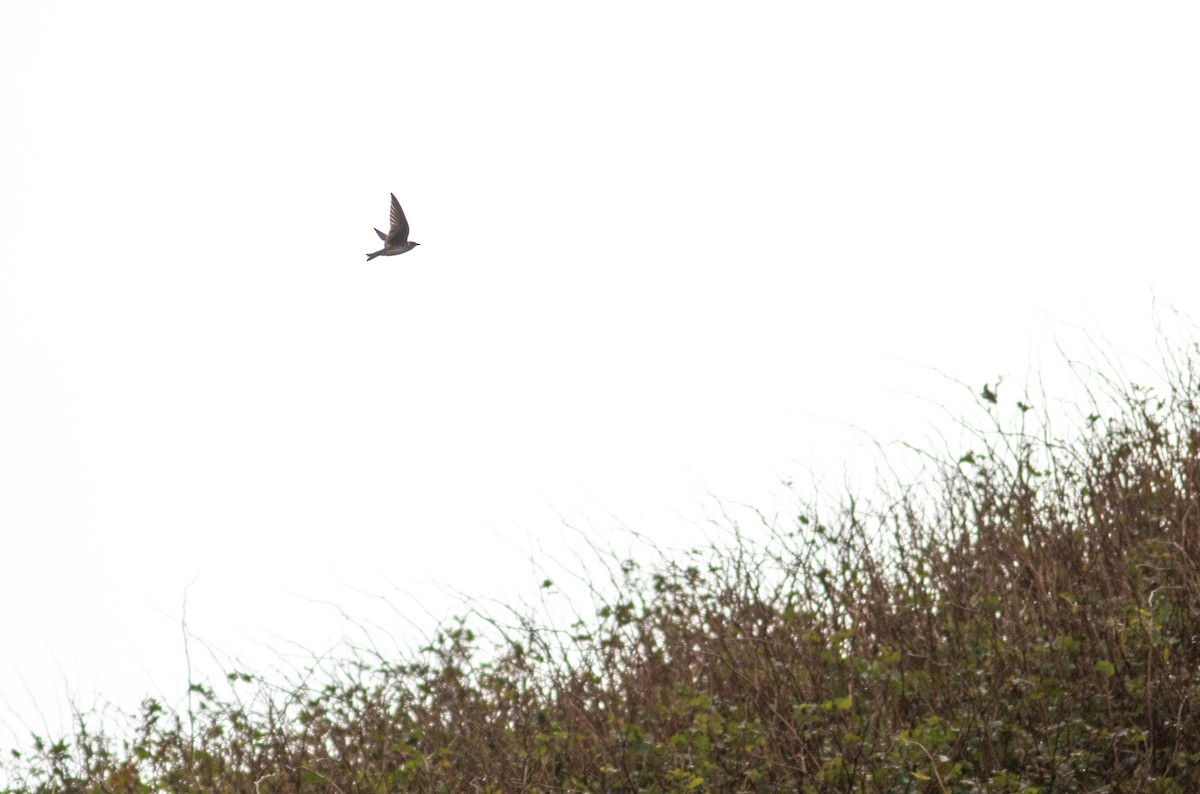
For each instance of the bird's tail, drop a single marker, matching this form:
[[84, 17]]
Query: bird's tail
[[372, 256]]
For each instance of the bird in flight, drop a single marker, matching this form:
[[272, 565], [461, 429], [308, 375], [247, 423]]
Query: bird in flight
[[396, 240]]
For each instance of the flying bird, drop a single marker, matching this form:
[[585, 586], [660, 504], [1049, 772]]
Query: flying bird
[[396, 240]]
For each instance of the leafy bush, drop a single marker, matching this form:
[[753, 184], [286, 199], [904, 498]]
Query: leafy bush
[[1023, 618]]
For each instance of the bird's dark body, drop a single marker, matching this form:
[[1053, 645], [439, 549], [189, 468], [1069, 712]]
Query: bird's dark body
[[396, 240]]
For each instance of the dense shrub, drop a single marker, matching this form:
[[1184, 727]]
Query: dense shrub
[[1023, 617]]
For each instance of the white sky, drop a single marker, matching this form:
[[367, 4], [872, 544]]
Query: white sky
[[667, 248]]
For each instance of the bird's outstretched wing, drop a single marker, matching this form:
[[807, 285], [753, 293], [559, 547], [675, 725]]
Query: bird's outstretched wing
[[382, 236], [398, 234]]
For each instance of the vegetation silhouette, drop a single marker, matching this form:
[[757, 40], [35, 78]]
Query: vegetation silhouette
[[1022, 617]]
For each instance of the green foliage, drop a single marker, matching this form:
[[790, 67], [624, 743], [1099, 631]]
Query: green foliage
[[1024, 620]]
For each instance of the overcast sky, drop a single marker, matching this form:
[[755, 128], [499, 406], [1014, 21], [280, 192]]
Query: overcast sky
[[667, 249]]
